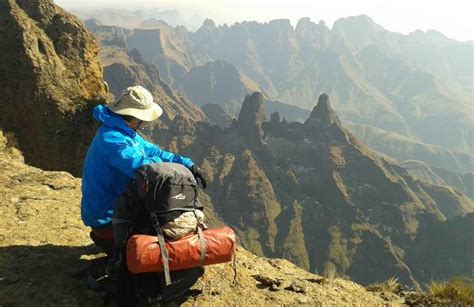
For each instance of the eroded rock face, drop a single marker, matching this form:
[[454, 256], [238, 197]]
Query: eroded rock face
[[51, 78]]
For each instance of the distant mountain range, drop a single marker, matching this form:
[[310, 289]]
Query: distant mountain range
[[394, 99], [139, 17], [417, 85]]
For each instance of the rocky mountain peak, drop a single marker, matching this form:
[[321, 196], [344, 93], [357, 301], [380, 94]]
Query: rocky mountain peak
[[92, 24], [359, 20], [312, 35], [275, 117], [147, 41], [209, 23], [251, 117], [322, 113], [303, 22], [356, 28], [281, 24]]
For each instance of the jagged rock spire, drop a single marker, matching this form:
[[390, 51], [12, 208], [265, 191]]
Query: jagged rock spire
[[275, 117], [251, 117], [322, 113]]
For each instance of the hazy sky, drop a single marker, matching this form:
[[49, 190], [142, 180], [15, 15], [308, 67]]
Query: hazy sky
[[454, 18]]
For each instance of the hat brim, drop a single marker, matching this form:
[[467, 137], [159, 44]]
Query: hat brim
[[147, 115]]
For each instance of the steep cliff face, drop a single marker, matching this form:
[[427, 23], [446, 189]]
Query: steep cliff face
[[108, 35], [403, 148], [217, 82], [51, 78], [167, 48], [464, 181]]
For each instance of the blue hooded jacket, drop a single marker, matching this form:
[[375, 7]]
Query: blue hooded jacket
[[116, 152]]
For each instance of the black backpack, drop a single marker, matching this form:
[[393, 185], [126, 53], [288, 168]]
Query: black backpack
[[163, 192], [167, 190]]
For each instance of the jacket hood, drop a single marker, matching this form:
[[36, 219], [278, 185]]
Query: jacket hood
[[107, 118]]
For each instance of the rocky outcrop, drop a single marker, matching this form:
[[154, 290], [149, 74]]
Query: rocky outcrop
[[323, 114], [51, 80], [251, 117]]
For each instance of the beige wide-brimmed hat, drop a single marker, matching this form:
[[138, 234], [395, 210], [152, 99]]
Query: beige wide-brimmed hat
[[138, 102]]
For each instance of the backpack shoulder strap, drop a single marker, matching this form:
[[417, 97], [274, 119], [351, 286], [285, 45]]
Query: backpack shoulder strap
[[200, 228], [162, 244]]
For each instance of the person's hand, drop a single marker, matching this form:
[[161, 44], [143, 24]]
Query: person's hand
[[198, 174]]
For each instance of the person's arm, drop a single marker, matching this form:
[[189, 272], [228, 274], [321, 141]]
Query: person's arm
[[153, 151], [126, 158]]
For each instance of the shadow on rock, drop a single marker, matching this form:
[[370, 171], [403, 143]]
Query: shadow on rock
[[51, 275], [47, 275]]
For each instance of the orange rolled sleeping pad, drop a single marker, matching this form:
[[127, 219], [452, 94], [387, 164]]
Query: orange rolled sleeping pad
[[144, 255]]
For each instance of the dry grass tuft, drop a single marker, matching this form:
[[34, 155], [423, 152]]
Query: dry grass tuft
[[330, 272], [391, 285], [457, 291]]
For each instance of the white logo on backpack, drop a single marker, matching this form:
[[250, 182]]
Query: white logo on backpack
[[180, 196]]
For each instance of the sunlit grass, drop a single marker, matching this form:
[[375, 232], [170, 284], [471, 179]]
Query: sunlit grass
[[391, 285], [457, 290]]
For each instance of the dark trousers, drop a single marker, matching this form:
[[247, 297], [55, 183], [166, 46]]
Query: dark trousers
[[103, 237], [114, 235]]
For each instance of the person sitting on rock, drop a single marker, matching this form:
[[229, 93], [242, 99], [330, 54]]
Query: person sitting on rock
[[114, 155]]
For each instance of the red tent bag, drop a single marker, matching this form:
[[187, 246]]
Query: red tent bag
[[144, 255]]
